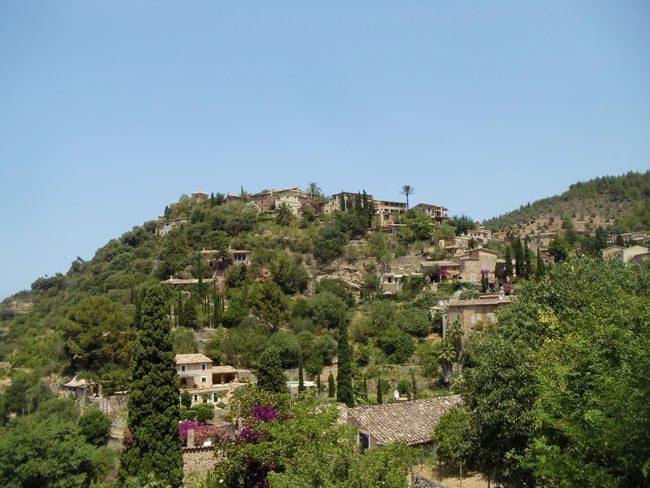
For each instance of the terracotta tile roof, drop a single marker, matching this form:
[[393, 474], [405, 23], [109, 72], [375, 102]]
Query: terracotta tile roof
[[409, 422], [223, 369], [498, 300], [192, 359]]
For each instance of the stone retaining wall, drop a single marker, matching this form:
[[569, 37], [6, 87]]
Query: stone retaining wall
[[419, 481], [196, 462]]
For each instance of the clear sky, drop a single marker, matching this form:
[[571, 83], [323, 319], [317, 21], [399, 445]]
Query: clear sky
[[110, 110]]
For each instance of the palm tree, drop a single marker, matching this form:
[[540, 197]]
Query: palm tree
[[407, 190], [283, 215], [446, 355], [314, 190]]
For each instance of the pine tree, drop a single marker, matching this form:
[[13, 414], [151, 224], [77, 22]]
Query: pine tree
[[508, 263], [380, 399], [270, 376], [153, 445], [344, 391], [331, 387]]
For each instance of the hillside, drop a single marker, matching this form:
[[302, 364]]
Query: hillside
[[616, 203], [241, 282]]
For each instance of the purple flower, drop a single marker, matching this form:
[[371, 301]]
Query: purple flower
[[250, 436], [185, 427], [264, 414]]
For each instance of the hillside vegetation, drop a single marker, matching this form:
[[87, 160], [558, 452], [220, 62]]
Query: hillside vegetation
[[617, 203]]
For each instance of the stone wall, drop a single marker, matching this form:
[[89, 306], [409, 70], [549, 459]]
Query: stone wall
[[419, 481], [196, 462]]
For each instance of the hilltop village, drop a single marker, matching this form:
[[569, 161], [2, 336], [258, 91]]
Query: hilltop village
[[397, 332]]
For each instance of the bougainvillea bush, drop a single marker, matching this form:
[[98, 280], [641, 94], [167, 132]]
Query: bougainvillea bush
[[284, 442]]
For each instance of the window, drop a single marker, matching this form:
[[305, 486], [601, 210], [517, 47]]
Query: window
[[204, 379], [195, 398], [202, 366], [182, 368], [364, 442]]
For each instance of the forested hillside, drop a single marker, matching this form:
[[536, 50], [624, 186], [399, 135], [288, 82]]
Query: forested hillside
[[546, 388], [617, 203]]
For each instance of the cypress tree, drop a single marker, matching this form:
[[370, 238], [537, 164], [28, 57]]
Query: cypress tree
[[301, 379], [331, 387], [519, 258], [270, 376], [342, 202], [153, 446], [357, 203], [319, 387], [484, 282], [619, 240], [528, 263], [365, 388], [348, 204], [344, 391], [508, 263], [541, 268], [414, 386], [380, 399]]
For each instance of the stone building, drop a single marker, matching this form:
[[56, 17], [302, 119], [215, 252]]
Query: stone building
[[470, 313], [438, 213], [203, 381], [164, 226], [409, 422]]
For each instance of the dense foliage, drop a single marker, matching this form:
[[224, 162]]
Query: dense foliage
[[558, 391], [284, 444]]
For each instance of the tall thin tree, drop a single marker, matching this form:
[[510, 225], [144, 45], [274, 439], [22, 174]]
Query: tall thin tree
[[406, 191], [153, 446]]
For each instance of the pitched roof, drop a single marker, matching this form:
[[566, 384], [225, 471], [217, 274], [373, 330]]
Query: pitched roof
[[223, 369], [192, 358], [488, 300], [75, 383], [408, 422]]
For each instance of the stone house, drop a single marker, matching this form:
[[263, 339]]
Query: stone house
[[82, 389], [389, 212], [237, 256], [266, 200], [200, 196], [203, 381], [472, 312], [625, 254], [164, 226], [438, 213], [409, 422], [474, 262], [294, 203], [334, 203], [480, 234]]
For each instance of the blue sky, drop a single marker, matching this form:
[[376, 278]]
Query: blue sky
[[110, 110]]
